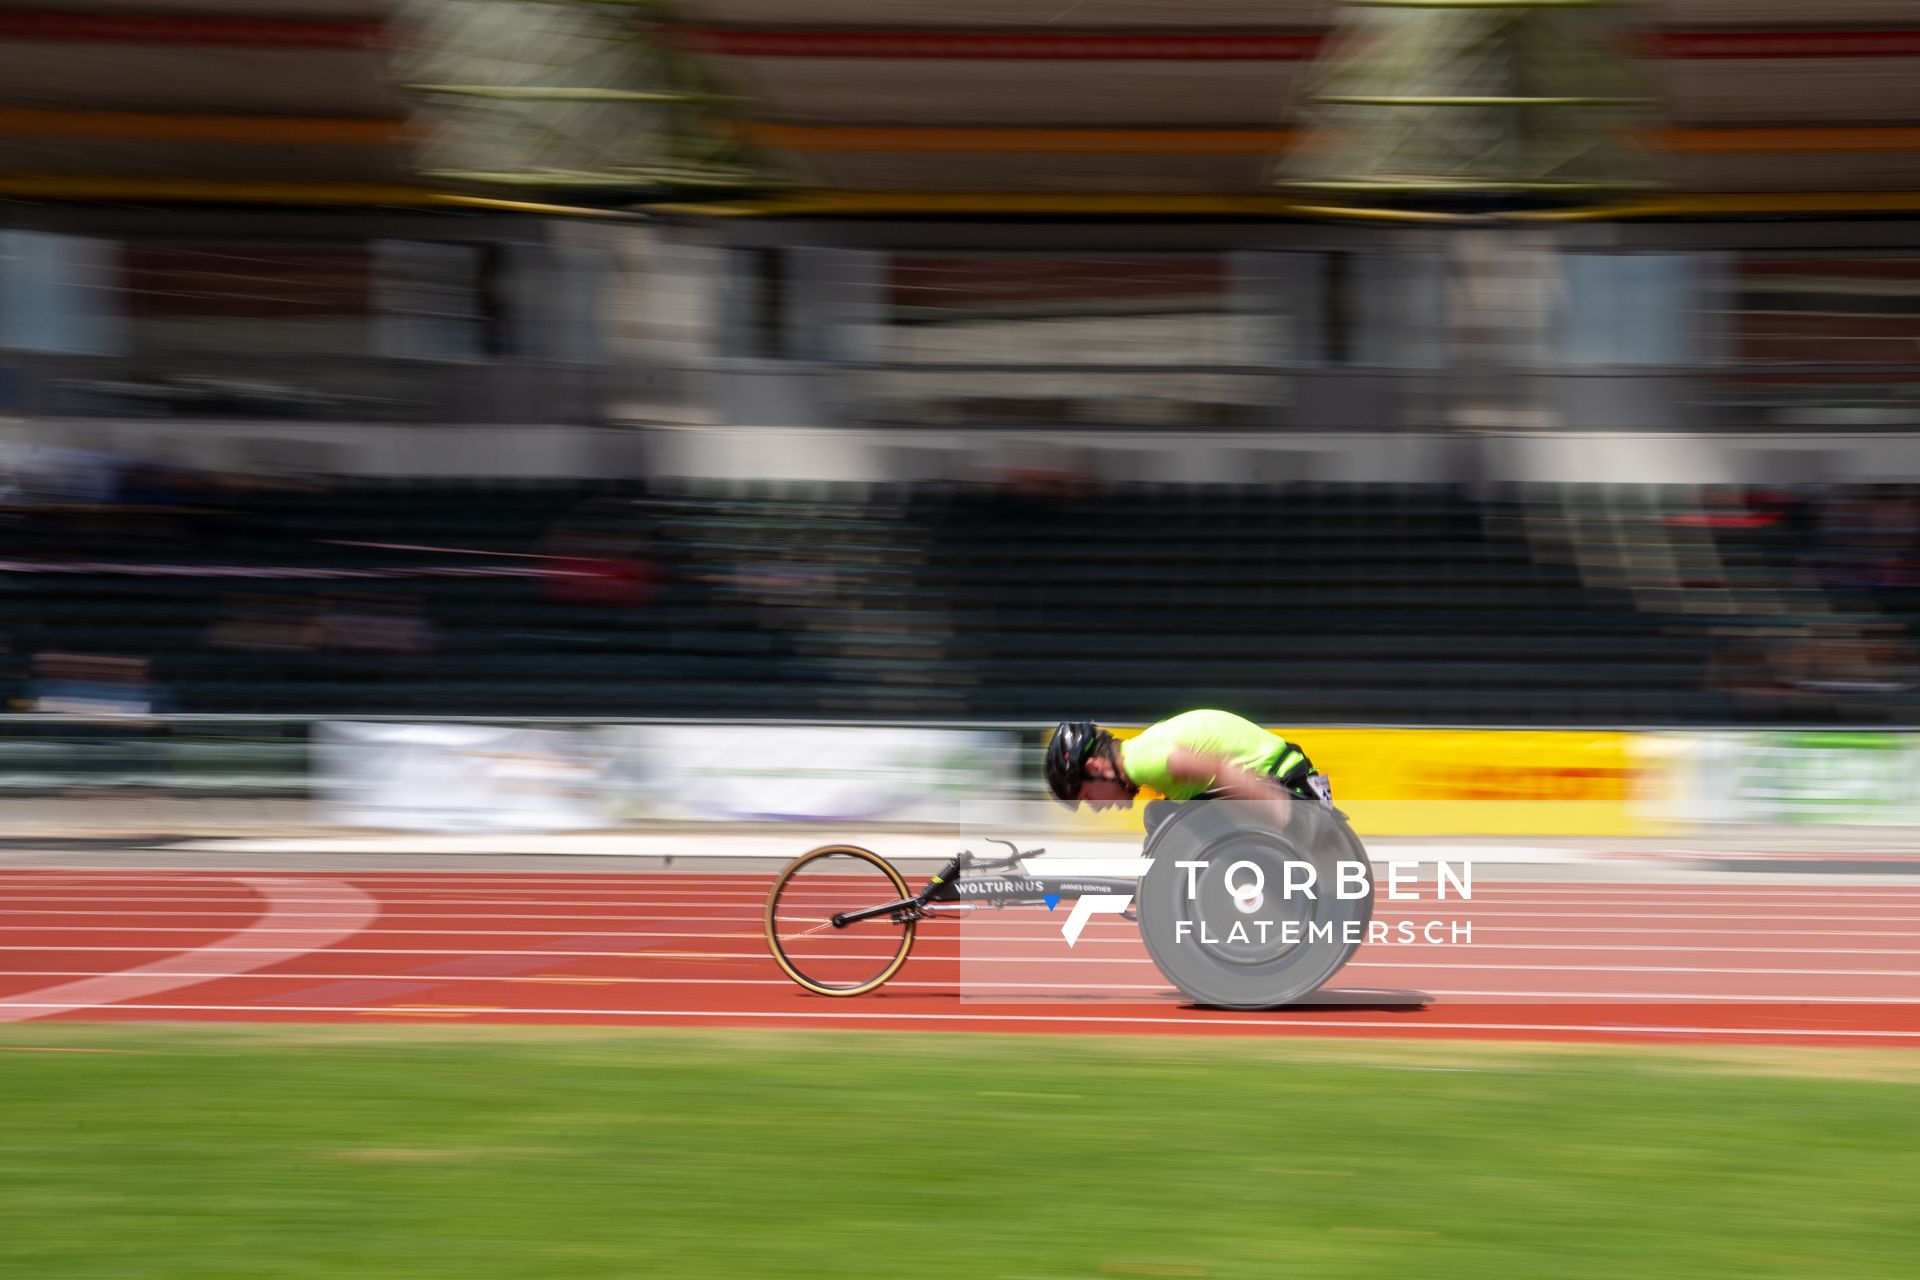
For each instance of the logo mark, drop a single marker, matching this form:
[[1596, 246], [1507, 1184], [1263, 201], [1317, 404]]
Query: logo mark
[[1109, 904]]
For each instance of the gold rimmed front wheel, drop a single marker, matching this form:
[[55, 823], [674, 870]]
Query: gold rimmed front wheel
[[847, 961]]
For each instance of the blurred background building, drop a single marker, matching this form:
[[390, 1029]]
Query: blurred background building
[[1491, 362]]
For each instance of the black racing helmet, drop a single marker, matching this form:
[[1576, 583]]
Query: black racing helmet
[[1074, 743]]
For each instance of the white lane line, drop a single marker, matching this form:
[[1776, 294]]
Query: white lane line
[[451, 882], [966, 944], [1701, 997], [544, 910], [603, 980], [1046, 929], [394, 951], [1129, 943], [1419, 967], [214, 902], [784, 846], [7, 913], [749, 929], [1491, 929], [1484, 879], [447, 884], [1008, 921], [1127, 938], [1449, 910], [1627, 893], [1656, 947], [644, 887], [1113, 935], [1425, 966], [1482, 928], [353, 911], [1673, 919], [1014, 918], [959, 943], [1325, 1027]]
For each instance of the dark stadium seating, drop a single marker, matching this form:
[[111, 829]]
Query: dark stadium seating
[[1297, 603]]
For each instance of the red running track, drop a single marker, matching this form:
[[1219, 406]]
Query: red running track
[[1825, 964]]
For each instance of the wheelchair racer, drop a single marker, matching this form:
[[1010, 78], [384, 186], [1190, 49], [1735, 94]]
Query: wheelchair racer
[[1193, 754]]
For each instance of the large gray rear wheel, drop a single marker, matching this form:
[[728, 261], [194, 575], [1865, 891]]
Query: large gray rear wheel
[[1221, 942]]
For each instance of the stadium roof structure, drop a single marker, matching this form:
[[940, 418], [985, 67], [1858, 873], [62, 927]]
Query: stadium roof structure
[[888, 107]]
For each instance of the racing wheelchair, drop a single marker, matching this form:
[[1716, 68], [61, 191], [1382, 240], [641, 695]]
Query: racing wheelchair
[[1233, 910]]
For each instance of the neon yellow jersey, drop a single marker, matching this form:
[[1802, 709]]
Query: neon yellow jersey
[[1206, 733]]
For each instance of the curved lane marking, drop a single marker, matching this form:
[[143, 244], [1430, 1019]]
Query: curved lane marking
[[348, 911]]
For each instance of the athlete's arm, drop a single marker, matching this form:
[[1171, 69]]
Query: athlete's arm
[[1187, 765]]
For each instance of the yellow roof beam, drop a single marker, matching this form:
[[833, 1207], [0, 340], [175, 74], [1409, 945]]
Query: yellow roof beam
[[1149, 204], [1255, 142], [1023, 204]]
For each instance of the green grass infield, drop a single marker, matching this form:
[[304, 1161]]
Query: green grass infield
[[442, 1152]]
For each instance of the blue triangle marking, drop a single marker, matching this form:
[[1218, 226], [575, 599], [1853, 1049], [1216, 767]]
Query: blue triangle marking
[[1052, 900]]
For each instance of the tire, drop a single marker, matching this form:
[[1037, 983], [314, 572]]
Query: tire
[[1247, 952], [828, 961]]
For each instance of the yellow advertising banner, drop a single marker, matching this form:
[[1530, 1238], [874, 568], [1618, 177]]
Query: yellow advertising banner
[[1481, 782], [1489, 782]]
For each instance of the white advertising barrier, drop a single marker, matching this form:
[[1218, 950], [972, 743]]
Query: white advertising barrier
[[799, 773], [457, 778]]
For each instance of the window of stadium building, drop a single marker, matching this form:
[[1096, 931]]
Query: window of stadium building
[[368, 298], [1827, 309], [1632, 309], [1056, 339], [1032, 309]]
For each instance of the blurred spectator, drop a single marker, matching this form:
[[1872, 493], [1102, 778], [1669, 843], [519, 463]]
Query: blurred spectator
[[1794, 512], [152, 482], [1868, 539], [370, 625], [266, 625], [600, 556], [1726, 508], [1039, 474], [1753, 671], [91, 686], [600, 567], [1823, 671], [786, 578], [83, 470], [1845, 660]]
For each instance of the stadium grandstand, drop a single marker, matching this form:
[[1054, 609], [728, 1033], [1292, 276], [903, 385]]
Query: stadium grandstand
[[1484, 363]]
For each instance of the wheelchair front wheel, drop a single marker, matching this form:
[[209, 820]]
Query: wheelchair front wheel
[[829, 961]]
